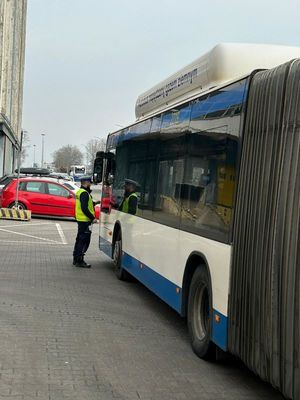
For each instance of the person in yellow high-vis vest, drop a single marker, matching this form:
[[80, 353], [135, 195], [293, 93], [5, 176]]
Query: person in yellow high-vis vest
[[85, 216], [130, 200]]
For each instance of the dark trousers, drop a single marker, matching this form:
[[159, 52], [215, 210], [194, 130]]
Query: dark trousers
[[83, 240]]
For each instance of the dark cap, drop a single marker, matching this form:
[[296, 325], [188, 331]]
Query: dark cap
[[86, 178], [131, 182]]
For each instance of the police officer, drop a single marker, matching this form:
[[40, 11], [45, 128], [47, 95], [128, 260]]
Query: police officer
[[85, 216], [130, 200]]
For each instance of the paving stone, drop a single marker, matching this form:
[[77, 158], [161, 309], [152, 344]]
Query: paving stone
[[69, 333]]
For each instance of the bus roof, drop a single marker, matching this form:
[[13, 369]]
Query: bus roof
[[223, 64]]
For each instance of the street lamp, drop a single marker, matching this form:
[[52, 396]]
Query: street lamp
[[43, 139], [34, 146]]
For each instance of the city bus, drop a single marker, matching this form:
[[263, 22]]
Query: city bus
[[76, 171], [215, 154]]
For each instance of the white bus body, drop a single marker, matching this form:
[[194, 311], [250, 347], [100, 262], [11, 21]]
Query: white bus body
[[157, 249]]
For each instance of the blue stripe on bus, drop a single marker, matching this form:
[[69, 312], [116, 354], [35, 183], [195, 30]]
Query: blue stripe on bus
[[161, 286], [219, 330], [166, 290]]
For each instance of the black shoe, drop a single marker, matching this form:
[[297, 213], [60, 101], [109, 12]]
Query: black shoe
[[77, 260], [82, 264]]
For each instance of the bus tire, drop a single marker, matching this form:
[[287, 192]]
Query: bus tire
[[199, 316], [117, 258]]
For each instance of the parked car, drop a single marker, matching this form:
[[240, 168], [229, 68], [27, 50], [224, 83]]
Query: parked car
[[69, 184], [30, 171], [61, 175], [6, 179], [43, 196]]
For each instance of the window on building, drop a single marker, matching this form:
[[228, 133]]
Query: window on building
[[8, 157], [1, 154]]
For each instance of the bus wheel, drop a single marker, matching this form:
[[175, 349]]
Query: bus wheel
[[117, 257], [200, 314]]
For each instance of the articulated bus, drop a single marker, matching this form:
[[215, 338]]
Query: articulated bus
[[215, 151]]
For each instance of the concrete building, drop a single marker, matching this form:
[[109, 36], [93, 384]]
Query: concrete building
[[12, 54]]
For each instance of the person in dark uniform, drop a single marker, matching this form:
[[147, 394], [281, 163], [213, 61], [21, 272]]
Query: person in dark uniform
[[85, 216], [130, 200]]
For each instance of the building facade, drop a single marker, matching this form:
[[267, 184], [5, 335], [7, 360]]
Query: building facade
[[12, 57]]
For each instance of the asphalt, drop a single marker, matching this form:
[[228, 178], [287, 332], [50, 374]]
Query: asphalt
[[70, 333]]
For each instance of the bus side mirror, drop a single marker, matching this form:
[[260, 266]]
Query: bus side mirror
[[110, 169], [110, 179], [98, 168]]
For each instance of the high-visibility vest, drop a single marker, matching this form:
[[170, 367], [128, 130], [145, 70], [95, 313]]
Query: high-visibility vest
[[125, 204], [79, 214]]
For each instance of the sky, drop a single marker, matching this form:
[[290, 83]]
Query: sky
[[87, 61]]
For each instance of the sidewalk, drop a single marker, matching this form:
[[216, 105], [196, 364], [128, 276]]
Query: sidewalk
[[70, 333]]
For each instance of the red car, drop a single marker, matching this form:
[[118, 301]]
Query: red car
[[40, 195]]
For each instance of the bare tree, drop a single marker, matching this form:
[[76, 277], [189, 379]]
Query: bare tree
[[66, 156], [91, 149]]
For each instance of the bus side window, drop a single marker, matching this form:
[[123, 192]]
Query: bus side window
[[168, 190], [210, 185]]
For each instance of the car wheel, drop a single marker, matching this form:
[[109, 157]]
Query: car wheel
[[199, 316], [117, 258], [20, 206]]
